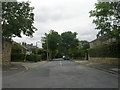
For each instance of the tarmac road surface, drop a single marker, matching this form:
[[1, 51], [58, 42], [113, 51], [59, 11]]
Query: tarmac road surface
[[61, 74]]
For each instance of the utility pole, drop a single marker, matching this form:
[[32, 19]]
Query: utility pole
[[47, 46]]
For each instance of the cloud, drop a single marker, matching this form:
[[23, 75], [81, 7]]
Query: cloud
[[62, 15]]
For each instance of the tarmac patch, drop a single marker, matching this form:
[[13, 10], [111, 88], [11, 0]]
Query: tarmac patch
[[115, 69], [14, 68]]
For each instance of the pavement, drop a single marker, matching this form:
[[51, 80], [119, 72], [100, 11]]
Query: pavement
[[33, 65], [17, 67], [61, 74], [100, 66], [12, 69]]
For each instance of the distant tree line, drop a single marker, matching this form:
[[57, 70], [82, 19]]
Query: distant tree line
[[66, 44]]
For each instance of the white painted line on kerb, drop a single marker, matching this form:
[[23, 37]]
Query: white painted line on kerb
[[60, 63]]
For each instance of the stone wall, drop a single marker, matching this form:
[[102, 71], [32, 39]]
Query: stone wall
[[99, 42], [95, 43], [0, 52], [6, 53], [105, 60]]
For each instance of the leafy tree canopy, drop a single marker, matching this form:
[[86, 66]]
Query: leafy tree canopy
[[16, 48], [84, 44], [69, 42], [107, 19], [69, 39], [51, 41], [17, 18]]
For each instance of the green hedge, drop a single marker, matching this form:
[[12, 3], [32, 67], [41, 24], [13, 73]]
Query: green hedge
[[78, 53], [33, 58], [21, 57], [111, 50], [17, 57]]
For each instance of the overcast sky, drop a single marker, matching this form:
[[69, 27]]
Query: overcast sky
[[61, 16]]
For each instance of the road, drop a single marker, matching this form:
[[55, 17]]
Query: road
[[61, 74]]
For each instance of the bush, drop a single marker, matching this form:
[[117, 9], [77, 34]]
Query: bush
[[17, 57], [43, 56], [112, 51], [21, 57], [33, 58], [80, 53], [16, 48]]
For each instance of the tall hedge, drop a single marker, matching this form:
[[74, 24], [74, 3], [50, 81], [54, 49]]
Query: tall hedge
[[21, 57], [112, 50], [33, 58], [17, 57], [16, 48]]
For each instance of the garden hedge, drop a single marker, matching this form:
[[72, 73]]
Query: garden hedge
[[33, 58], [21, 57]]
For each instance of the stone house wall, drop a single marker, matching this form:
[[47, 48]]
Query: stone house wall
[[0, 52], [6, 53], [95, 43], [99, 42]]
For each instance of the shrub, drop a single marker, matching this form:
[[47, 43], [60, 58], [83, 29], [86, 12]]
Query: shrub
[[33, 58], [80, 53], [17, 57], [43, 56], [21, 57], [111, 50], [16, 48]]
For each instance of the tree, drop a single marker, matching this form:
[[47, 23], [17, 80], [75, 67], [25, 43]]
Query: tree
[[69, 41], [84, 44], [42, 52], [52, 40], [107, 19], [16, 48], [17, 18], [64, 44]]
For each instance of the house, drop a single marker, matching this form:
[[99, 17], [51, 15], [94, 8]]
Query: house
[[28, 47], [105, 53], [101, 41]]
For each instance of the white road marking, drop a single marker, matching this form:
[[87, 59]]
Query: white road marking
[[60, 63]]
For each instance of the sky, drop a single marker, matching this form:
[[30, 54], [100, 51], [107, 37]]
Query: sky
[[61, 16]]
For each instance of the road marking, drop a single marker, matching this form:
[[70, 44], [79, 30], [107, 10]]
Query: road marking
[[60, 63]]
